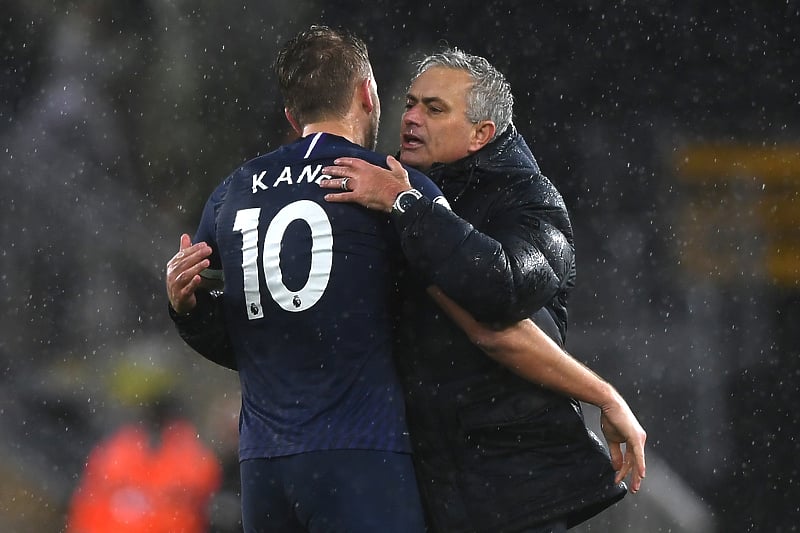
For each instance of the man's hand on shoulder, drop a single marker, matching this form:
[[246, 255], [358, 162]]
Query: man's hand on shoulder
[[366, 184]]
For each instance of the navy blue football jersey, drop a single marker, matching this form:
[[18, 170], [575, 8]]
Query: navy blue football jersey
[[308, 303]]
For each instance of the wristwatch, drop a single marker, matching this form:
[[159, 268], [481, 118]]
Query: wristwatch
[[405, 200]]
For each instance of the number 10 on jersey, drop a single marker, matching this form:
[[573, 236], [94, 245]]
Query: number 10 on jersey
[[294, 301]]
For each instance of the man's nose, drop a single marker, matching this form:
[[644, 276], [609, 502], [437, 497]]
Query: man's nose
[[411, 117]]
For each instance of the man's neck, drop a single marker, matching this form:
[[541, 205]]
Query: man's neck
[[334, 127]]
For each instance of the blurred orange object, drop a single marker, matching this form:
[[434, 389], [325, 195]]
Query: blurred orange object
[[130, 485]]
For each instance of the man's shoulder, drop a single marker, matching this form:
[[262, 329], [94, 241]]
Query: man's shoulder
[[512, 176], [349, 149], [521, 187], [280, 155]]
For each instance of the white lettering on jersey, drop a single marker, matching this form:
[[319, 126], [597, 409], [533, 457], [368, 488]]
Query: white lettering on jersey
[[285, 177], [312, 145], [258, 183], [308, 174]]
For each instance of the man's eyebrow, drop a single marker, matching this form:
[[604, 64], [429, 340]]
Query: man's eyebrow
[[427, 100]]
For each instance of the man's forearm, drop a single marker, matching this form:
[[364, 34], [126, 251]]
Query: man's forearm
[[529, 352]]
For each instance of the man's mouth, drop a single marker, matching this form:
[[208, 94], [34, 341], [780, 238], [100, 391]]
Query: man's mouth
[[411, 141]]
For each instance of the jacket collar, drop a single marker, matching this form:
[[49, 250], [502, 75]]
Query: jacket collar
[[508, 151]]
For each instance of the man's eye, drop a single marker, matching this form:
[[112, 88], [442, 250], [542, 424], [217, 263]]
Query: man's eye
[[435, 110]]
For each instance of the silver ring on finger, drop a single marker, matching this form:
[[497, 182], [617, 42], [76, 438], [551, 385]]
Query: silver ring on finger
[[343, 185]]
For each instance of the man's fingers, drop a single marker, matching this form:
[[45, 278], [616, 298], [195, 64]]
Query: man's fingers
[[394, 165], [192, 253], [192, 284], [334, 183], [632, 465], [616, 455], [623, 472], [397, 169], [181, 262], [636, 450], [346, 161], [344, 166], [191, 271], [183, 272], [196, 269], [336, 171], [350, 166], [636, 482], [636, 479], [187, 263], [641, 469], [338, 197]]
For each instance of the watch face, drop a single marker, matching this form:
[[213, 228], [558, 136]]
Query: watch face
[[406, 201]]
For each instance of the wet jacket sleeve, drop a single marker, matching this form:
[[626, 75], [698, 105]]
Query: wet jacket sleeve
[[521, 260], [204, 330]]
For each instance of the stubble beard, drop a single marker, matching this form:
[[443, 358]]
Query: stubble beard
[[371, 136]]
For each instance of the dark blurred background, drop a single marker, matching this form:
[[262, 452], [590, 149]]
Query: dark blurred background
[[673, 132]]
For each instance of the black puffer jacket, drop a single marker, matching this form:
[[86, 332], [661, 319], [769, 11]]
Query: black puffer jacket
[[493, 452], [507, 249]]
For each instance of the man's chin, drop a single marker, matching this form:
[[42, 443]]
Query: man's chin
[[413, 159]]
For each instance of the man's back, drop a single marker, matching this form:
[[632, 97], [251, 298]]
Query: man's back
[[308, 288]]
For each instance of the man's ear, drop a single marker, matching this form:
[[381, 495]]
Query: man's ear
[[295, 125], [482, 133], [364, 90]]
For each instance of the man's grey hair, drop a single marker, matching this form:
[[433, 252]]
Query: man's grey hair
[[490, 97]]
